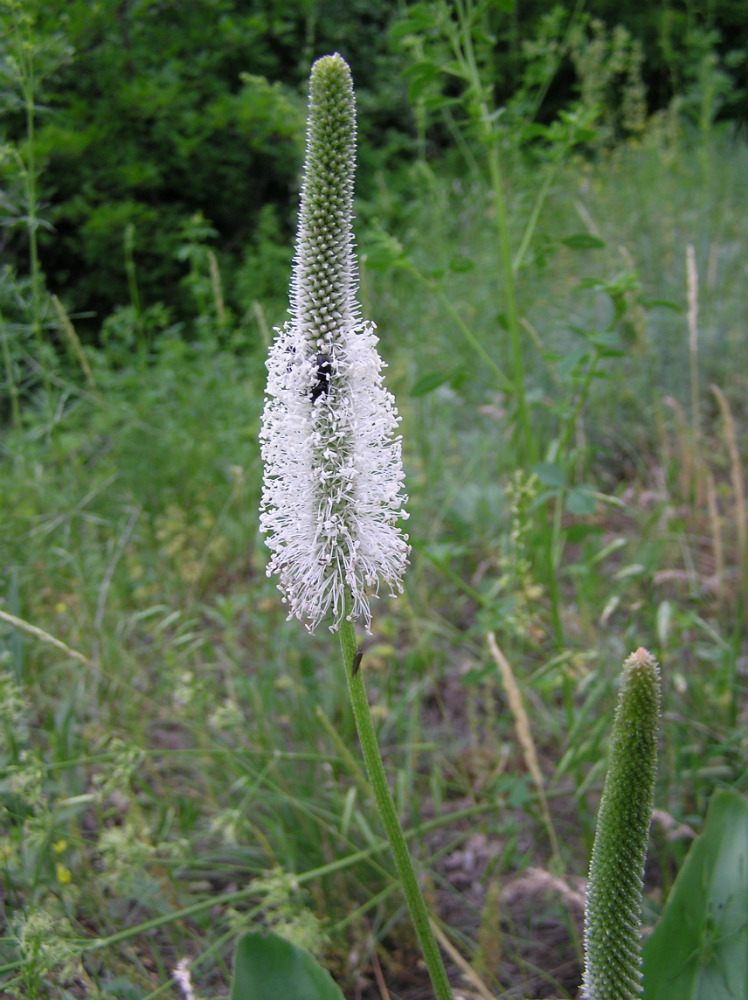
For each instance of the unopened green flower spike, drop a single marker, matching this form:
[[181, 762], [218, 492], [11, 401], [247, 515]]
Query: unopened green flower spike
[[612, 925]]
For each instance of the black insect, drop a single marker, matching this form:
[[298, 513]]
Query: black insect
[[324, 370], [357, 657]]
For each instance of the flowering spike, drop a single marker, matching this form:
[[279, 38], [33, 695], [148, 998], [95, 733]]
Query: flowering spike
[[332, 490], [612, 925], [323, 284]]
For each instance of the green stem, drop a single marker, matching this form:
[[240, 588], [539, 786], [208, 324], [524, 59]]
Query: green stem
[[469, 64], [12, 387], [532, 222], [553, 540], [505, 382], [512, 315], [132, 284], [383, 797], [581, 400]]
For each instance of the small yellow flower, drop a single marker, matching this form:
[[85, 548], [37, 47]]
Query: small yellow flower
[[59, 846], [64, 875]]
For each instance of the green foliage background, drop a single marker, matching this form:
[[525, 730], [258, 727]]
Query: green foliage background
[[154, 113]]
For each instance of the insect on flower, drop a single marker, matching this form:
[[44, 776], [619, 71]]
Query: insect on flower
[[324, 371], [358, 656]]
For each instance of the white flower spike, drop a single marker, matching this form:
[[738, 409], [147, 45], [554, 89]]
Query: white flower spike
[[333, 483]]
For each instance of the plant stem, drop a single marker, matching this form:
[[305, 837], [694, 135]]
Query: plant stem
[[512, 316], [383, 797], [552, 539], [12, 387], [532, 222], [466, 56], [132, 284], [506, 384]]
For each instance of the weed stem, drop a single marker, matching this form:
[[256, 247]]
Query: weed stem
[[383, 797]]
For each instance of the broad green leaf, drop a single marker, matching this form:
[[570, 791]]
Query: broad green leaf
[[699, 948], [385, 252], [436, 102], [461, 264], [583, 241], [268, 967], [535, 131], [421, 76], [585, 134], [571, 361], [576, 533], [550, 474], [581, 500], [662, 303], [420, 18], [432, 380], [607, 341]]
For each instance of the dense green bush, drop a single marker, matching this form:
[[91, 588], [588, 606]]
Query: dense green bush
[[150, 114], [153, 112]]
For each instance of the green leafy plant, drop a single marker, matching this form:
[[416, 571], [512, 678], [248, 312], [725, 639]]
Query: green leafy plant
[[30, 56], [456, 45], [699, 948], [267, 965]]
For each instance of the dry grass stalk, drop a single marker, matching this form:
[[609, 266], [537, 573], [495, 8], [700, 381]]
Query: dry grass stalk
[[42, 636], [736, 473], [711, 270], [524, 736], [717, 550], [468, 972], [259, 316], [692, 282], [490, 939], [684, 447], [384, 993]]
